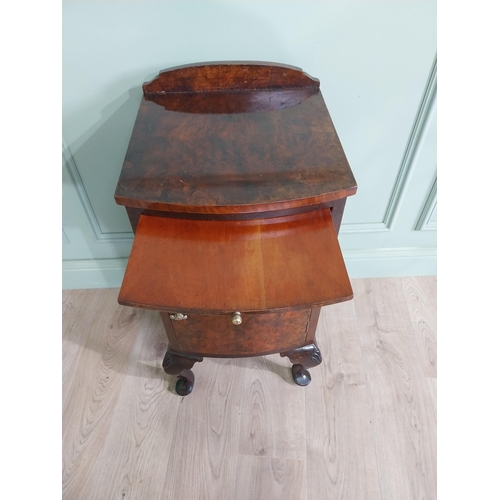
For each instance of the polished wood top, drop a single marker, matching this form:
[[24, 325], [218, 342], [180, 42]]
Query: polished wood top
[[229, 138], [223, 266]]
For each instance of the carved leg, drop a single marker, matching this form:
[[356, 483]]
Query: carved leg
[[302, 358], [180, 365]]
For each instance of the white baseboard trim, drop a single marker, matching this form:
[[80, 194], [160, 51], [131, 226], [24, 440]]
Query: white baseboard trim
[[391, 262], [93, 273], [365, 263]]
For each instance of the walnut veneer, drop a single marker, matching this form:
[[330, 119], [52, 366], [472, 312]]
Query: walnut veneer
[[235, 184]]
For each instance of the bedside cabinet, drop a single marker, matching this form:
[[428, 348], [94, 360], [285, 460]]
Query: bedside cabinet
[[235, 184]]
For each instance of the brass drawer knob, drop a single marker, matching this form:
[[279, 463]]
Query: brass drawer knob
[[178, 316], [237, 319]]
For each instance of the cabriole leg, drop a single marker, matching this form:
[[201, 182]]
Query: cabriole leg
[[180, 365], [302, 358]]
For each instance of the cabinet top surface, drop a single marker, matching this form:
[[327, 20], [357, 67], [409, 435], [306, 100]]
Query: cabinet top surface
[[231, 138]]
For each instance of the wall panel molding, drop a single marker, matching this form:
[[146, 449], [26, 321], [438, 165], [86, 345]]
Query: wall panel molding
[[100, 236], [407, 164], [363, 227], [424, 223], [414, 143], [65, 240]]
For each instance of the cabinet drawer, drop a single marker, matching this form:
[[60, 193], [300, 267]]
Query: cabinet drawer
[[216, 335]]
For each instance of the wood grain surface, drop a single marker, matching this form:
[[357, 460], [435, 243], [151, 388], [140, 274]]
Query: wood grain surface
[[259, 333], [339, 426], [233, 138], [227, 163], [229, 75], [401, 405], [364, 429], [247, 266], [272, 422], [421, 298]]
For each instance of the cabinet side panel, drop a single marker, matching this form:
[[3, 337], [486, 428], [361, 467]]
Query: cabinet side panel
[[337, 213], [313, 324], [167, 323]]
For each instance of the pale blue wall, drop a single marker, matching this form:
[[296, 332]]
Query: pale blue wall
[[376, 64]]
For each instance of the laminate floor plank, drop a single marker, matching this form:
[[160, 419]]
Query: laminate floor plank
[[93, 386], [267, 478], [133, 456], [402, 413], [341, 457], [364, 429], [203, 455], [432, 386], [73, 322], [421, 300], [273, 411]]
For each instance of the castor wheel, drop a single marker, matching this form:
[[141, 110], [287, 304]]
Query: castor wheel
[[179, 364], [307, 356], [185, 383], [300, 375]]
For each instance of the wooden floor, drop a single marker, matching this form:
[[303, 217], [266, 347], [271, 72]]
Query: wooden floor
[[365, 428]]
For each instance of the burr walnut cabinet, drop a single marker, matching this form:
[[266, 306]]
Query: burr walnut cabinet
[[235, 183]]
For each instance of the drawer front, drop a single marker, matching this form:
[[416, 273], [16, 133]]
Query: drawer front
[[216, 335]]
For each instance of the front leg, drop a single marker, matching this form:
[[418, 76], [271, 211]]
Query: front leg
[[304, 357], [180, 365]]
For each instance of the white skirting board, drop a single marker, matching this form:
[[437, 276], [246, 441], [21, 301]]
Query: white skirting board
[[365, 263]]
